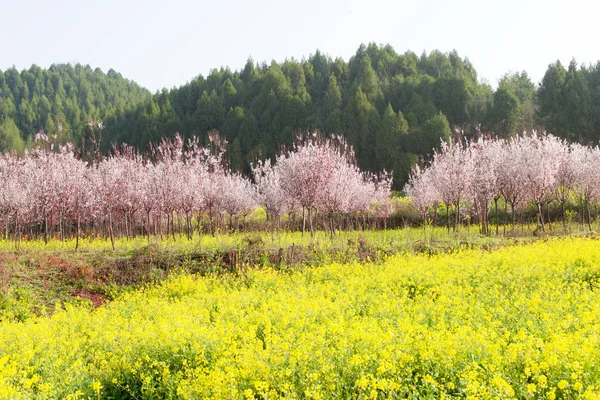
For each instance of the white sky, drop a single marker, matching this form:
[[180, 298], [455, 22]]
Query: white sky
[[160, 43]]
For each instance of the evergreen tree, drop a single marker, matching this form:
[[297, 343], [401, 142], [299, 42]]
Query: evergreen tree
[[10, 138]]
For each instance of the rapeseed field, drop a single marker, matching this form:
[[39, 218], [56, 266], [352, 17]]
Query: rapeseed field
[[518, 322]]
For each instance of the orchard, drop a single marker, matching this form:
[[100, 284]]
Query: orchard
[[179, 187], [537, 169]]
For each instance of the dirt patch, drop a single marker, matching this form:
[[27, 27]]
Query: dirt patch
[[97, 299]]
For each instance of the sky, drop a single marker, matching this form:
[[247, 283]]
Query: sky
[[164, 44]]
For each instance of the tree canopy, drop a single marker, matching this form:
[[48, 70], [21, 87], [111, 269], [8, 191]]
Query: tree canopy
[[393, 108]]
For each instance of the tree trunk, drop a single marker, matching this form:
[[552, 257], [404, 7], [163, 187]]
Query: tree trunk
[[110, 229], [331, 226], [46, 230], [583, 214], [60, 227], [77, 233], [126, 227], [497, 221], [188, 226], [17, 235], [587, 207], [512, 206], [564, 217], [303, 220], [148, 226], [457, 217], [504, 217], [168, 225], [172, 225], [540, 217], [447, 218]]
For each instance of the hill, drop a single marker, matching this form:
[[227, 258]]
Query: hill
[[61, 100]]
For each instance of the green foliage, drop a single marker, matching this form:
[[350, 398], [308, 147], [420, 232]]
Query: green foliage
[[569, 101], [15, 305], [262, 105], [430, 135], [389, 138], [393, 108], [514, 109], [10, 138], [236, 161], [60, 100], [505, 113]]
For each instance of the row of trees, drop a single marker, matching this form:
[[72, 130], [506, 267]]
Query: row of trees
[[393, 108], [473, 175], [178, 186], [321, 176]]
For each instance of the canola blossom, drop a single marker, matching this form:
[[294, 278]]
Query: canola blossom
[[518, 322]]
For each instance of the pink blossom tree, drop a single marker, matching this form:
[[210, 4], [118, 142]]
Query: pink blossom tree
[[422, 191], [486, 154], [511, 180], [306, 171], [269, 191], [540, 168], [566, 177], [237, 196], [109, 178], [451, 174], [586, 164]]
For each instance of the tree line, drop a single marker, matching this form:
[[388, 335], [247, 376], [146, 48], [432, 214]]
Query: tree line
[[61, 101], [393, 108], [471, 176], [180, 186]]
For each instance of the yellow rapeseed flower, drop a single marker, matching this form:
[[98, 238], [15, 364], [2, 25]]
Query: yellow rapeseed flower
[[97, 386], [562, 384]]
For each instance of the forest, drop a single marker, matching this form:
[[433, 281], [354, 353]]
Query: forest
[[393, 108]]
